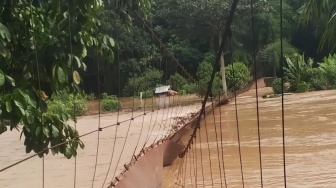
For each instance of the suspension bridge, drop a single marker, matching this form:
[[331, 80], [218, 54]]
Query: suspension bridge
[[132, 149]]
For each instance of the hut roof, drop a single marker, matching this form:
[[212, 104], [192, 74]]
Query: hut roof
[[162, 89]]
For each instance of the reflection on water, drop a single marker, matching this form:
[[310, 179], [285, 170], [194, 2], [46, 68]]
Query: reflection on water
[[310, 120]]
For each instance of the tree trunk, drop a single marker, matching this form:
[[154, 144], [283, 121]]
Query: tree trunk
[[222, 66]]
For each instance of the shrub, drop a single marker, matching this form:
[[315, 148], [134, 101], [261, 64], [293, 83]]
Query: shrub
[[90, 97], [147, 81], [276, 85], [188, 89], [328, 69], [64, 102], [238, 75], [302, 87], [318, 80], [148, 94], [110, 102], [274, 50], [79, 103], [204, 72], [298, 71], [177, 82]]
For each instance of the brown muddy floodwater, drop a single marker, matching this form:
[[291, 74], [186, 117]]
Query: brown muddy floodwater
[[310, 128], [310, 120], [59, 171]]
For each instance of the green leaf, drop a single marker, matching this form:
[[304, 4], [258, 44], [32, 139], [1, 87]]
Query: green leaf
[[84, 67], [38, 131], [10, 80], [20, 107], [2, 78], [55, 131], [29, 115], [61, 76], [81, 144], [4, 32], [79, 64], [31, 100], [76, 77], [74, 152], [46, 131], [111, 42], [9, 106], [68, 153]]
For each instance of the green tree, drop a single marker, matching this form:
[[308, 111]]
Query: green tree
[[42, 45], [237, 75], [203, 75], [325, 12]]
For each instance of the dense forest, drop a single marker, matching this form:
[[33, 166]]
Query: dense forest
[[51, 48]]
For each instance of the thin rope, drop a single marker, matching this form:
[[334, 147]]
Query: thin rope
[[99, 113], [238, 135], [201, 154], [158, 133], [190, 172], [282, 92], [118, 113], [217, 144], [221, 137], [143, 117], [180, 173], [185, 171], [209, 152], [74, 107], [38, 77], [155, 121], [195, 161], [256, 90], [130, 123], [150, 130], [66, 142]]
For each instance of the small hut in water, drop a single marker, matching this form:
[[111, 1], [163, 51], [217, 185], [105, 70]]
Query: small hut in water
[[164, 91]]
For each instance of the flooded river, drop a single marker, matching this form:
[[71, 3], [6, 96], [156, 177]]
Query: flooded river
[[310, 129], [118, 143], [310, 121]]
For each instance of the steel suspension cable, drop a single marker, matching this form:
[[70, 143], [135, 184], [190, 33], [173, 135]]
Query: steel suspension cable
[[38, 77], [221, 137], [130, 122], [143, 117], [209, 151], [164, 107], [185, 170], [282, 93], [159, 103], [216, 137], [201, 155], [195, 162], [99, 113], [157, 112], [118, 113], [190, 165], [256, 90], [72, 70], [238, 134], [215, 67]]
